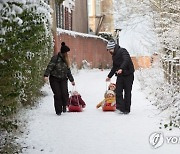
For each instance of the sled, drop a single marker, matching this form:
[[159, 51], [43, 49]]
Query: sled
[[72, 108], [108, 107], [75, 102]]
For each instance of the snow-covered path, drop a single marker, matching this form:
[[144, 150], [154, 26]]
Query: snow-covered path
[[93, 131]]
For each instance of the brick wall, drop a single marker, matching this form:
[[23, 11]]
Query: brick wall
[[94, 51], [142, 61], [85, 48]]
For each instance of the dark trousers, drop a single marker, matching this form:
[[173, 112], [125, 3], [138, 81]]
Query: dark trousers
[[60, 90], [123, 92]]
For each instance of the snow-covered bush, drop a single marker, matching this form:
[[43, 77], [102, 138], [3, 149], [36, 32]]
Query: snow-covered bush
[[74, 68], [25, 47], [85, 65], [166, 20], [162, 17], [162, 94], [106, 35]]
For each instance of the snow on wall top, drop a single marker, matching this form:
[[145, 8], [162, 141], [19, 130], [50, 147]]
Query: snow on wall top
[[73, 33]]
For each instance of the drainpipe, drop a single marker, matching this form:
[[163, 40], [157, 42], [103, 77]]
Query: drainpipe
[[117, 31], [88, 30], [54, 28]]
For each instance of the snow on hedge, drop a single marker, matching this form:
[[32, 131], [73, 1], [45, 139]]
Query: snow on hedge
[[10, 14]]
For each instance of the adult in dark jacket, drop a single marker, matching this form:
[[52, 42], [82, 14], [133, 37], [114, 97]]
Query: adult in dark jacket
[[124, 70], [58, 73]]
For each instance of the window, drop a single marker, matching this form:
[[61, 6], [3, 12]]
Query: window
[[59, 16], [90, 7], [98, 7]]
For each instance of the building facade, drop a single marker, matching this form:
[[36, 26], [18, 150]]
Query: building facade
[[101, 16], [70, 15], [80, 16], [64, 14]]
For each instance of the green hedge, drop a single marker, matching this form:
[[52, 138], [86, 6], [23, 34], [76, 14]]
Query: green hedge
[[25, 47]]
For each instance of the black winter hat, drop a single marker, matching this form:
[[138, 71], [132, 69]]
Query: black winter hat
[[64, 48]]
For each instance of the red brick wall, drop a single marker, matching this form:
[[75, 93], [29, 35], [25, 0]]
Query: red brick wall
[[142, 62], [135, 62], [85, 48], [94, 51]]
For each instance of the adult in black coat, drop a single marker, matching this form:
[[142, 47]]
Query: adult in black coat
[[124, 69]]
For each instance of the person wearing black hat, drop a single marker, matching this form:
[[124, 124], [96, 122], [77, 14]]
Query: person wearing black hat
[[64, 50], [123, 68], [58, 72]]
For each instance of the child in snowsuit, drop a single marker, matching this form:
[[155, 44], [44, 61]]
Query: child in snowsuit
[[76, 100], [112, 86], [109, 99]]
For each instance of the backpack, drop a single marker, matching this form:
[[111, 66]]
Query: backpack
[[60, 69]]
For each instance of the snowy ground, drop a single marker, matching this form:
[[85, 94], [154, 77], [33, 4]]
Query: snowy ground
[[93, 131]]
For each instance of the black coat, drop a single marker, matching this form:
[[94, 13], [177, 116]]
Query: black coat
[[121, 60], [58, 68]]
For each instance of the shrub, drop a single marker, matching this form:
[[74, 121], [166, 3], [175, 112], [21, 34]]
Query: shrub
[[105, 35], [25, 47]]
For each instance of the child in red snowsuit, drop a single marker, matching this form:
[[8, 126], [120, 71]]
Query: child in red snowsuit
[[76, 100]]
